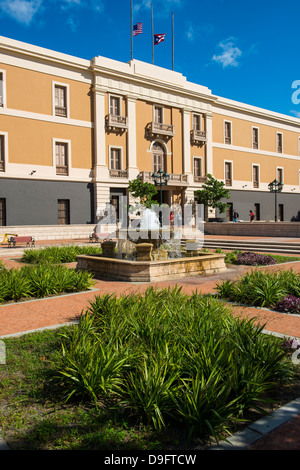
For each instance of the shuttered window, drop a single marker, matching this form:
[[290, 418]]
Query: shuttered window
[[60, 100], [61, 155], [255, 138], [197, 167], [115, 108], [115, 159], [2, 154], [255, 176], [228, 173], [227, 132]]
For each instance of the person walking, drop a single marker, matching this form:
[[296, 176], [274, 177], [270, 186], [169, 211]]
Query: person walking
[[251, 216], [235, 215]]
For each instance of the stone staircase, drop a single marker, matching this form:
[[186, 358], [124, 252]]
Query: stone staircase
[[264, 246]]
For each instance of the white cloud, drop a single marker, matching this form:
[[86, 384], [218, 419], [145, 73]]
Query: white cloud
[[229, 53], [21, 10], [295, 113]]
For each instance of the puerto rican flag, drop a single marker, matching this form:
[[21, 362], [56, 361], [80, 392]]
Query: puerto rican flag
[[137, 29], [159, 38]]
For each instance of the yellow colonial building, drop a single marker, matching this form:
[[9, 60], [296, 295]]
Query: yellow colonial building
[[74, 132]]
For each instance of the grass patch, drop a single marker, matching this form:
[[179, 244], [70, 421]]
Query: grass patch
[[41, 281], [62, 254]]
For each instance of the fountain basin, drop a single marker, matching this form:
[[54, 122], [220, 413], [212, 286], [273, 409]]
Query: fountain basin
[[152, 271]]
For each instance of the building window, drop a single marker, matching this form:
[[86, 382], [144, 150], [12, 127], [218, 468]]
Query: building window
[[61, 100], [227, 131], [158, 157], [298, 146], [279, 175], [279, 142], [158, 115], [1, 89], [255, 176], [196, 122], [228, 173], [197, 167], [63, 211], [61, 155], [115, 105], [2, 212], [254, 137], [2, 152], [115, 159]]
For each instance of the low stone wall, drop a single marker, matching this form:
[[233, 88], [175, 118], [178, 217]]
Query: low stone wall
[[50, 232], [254, 229], [152, 271]]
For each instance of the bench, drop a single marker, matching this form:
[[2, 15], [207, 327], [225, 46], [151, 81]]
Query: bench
[[99, 237], [30, 241]]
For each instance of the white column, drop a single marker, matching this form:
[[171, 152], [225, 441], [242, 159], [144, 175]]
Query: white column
[[101, 168], [132, 163], [209, 156], [187, 142]]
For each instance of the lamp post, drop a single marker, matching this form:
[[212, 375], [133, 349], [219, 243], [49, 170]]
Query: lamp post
[[160, 179], [275, 187]]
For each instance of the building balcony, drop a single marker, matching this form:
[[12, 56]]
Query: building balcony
[[198, 137], [61, 111], [62, 170], [199, 179], [160, 130], [118, 173], [116, 123], [175, 179]]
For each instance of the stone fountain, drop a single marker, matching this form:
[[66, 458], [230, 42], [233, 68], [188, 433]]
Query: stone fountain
[[155, 254]]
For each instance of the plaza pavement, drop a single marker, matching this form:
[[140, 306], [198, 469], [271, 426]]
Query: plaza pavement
[[27, 316]]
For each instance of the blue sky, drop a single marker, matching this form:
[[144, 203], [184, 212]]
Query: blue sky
[[243, 50]]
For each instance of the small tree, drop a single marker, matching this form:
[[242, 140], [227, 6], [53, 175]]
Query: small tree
[[211, 194], [145, 191]]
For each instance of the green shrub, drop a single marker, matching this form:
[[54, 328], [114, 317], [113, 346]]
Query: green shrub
[[54, 254], [41, 281], [260, 288], [165, 355]]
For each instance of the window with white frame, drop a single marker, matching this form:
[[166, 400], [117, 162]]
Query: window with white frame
[[197, 167], [255, 176], [115, 159], [62, 158], [279, 175], [2, 152], [227, 132], [228, 173], [1, 89], [279, 140], [255, 137], [60, 100], [158, 115], [197, 122], [115, 105]]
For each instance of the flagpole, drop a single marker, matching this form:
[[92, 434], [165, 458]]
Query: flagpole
[[152, 37], [172, 41], [131, 25]]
